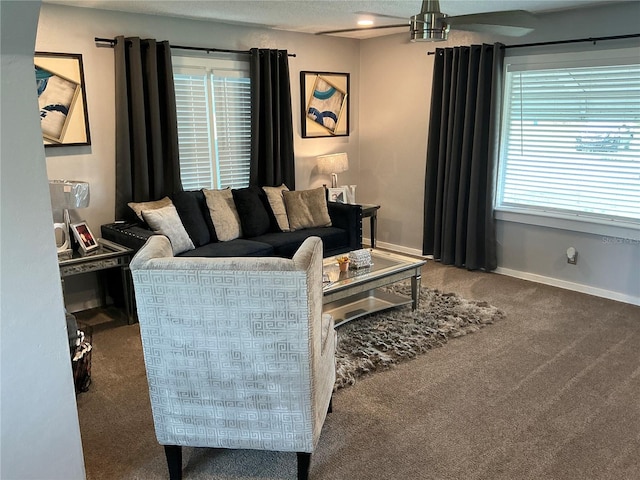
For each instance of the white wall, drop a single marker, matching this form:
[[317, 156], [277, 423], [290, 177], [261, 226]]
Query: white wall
[[608, 265], [394, 113], [40, 431]]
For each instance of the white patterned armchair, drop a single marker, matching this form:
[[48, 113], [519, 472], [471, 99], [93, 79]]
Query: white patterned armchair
[[237, 351]]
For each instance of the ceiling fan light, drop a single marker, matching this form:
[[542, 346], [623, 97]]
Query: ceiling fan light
[[429, 27]]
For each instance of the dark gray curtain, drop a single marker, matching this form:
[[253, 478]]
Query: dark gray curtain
[[462, 150], [272, 160], [147, 160]]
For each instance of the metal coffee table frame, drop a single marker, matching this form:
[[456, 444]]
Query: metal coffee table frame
[[355, 293]]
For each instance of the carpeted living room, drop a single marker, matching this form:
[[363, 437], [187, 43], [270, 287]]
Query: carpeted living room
[[494, 327], [547, 389]]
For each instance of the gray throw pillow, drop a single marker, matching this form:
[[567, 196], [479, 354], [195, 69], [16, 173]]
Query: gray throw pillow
[[274, 196], [223, 213], [139, 207], [307, 208], [166, 221]]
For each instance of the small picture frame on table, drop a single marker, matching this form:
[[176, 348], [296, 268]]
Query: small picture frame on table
[[85, 238], [338, 195]]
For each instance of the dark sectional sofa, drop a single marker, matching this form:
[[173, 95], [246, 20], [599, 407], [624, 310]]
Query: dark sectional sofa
[[344, 234]]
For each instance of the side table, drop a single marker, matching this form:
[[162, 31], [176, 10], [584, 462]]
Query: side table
[[371, 211], [108, 255]]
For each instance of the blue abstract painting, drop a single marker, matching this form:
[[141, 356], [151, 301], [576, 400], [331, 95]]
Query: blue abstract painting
[[326, 104], [56, 98]]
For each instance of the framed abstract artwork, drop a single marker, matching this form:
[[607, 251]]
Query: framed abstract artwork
[[62, 99], [324, 97]]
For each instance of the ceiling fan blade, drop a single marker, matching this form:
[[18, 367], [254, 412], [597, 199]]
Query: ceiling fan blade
[[361, 29], [380, 15], [513, 23], [432, 25]]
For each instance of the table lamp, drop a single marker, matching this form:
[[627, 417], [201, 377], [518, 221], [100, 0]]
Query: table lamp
[[65, 195], [333, 164]]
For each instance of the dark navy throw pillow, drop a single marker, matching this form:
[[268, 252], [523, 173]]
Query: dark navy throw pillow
[[254, 218], [193, 211]]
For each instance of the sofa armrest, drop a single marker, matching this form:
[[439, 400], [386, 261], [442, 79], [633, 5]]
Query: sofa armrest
[[349, 218], [132, 235]]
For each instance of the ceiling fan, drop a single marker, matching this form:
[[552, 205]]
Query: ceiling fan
[[431, 25]]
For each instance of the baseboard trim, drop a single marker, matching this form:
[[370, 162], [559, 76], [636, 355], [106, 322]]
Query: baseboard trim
[[86, 304], [577, 287], [554, 282], [394, 248]]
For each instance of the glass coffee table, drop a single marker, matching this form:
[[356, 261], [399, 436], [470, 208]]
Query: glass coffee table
[[356, 292]]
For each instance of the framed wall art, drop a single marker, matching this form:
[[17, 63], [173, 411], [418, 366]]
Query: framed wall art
[[324, 97], [62, 99]]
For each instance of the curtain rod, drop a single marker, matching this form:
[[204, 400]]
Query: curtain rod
[[113, 41], [561, 42]]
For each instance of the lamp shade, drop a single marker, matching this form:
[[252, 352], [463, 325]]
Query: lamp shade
[[333, 163], [69, 194]]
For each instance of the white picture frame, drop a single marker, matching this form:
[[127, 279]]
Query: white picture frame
[[338, 195], [85, 238]]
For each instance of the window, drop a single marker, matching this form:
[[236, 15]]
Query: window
[[213, 102], [571, 136]]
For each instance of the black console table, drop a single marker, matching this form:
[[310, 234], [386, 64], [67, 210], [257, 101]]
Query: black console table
[[371, 211]]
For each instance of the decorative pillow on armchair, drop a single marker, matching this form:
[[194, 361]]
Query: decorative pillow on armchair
[[307, 208], [223, 213]]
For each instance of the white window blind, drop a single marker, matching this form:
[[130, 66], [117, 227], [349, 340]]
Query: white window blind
[[213, 102], [194, 131], [571, 140], [232, 99]]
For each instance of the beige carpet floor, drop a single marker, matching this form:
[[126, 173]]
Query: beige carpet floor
[[551, 392]]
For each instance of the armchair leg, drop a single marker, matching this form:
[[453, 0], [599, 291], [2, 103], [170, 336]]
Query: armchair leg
[[304, 462], [174, 461]]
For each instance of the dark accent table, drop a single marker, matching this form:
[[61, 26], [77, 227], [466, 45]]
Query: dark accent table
[[371, 211], [108, 255]]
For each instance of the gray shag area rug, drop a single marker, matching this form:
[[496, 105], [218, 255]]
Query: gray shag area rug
[[381, 340]]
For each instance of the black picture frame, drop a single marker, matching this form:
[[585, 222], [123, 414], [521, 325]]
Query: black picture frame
[[327, 113], [62, 99]]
